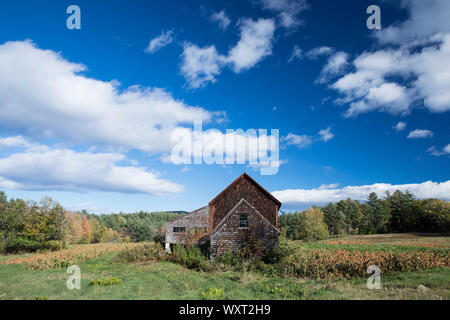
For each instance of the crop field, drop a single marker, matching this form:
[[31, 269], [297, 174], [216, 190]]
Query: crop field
[[331, 269]]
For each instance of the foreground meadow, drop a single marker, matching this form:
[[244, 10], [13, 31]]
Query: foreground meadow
[[35, 276]]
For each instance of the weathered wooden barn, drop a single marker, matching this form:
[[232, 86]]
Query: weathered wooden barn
[[243, 211]]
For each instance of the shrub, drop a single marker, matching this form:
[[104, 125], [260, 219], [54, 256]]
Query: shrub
[[16, 244], [146, 252], [274, 256], [230, 258], [3, 243], [105, 281], [190, 257]]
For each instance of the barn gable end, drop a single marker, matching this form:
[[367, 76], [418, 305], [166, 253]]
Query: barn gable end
[[230, 235], [243, 187]]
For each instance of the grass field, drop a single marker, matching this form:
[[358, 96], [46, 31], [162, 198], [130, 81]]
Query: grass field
[[165, 280]]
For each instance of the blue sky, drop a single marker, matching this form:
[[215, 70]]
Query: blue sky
[[358, 110]]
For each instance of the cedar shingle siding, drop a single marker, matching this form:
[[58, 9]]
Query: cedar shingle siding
[[244, 202], [191, 221]]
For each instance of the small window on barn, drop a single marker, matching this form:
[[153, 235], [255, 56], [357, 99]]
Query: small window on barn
[[243, 221], [179, 229]]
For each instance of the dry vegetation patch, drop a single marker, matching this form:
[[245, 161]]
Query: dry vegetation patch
[[70, 256]]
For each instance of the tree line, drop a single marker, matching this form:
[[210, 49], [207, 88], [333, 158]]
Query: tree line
[[393, 213], [29, 226]]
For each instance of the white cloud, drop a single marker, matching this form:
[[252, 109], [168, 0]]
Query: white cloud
[[235, 146], [437, 153], [10, 142], [255, 44], [335, 66], [164, 39], [326, 134], [288, 11], [300, 142], [297, 53], [400, 126], [329, 186], [413, 69], [318, 52], [426, 18], [201, 65], [367, 89], [420, 134], [298, 197], [44, 95], [38, 167], [221, 18]]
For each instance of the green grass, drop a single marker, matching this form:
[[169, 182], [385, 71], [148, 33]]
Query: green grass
[[165, 280]]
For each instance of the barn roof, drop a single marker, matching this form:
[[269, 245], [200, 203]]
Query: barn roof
[[256, 184], [197, 211]]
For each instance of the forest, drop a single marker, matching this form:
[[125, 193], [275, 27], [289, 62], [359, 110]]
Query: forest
[[28, 226], [396, 212]]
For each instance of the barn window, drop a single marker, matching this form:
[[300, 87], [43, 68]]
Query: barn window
[[179, 229], [243, 221]]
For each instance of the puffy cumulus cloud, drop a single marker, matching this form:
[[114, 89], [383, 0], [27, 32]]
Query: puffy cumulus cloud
[[432, 68], [254, 45], [420, 134], [292, 198], [38, 167], [425, 77], [221, 18], [326, 134], [202, 65], [399, 126], [413, 69], [300, 141], [288, 11], [163, 40], [367, 89], [233, 146], [44, 95], [435, 152], [426, 18]]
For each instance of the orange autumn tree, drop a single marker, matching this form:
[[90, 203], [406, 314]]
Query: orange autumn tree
[[86, 229]]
